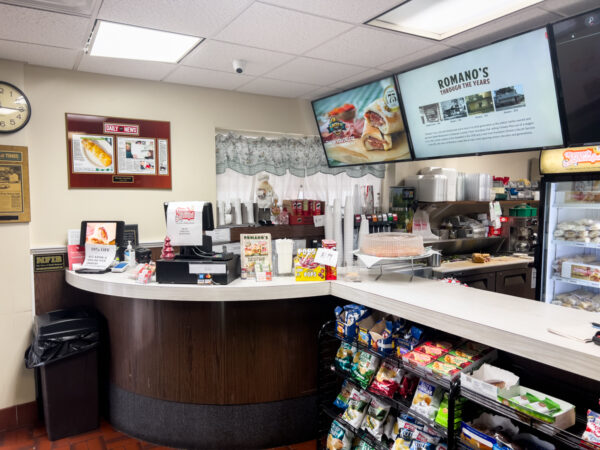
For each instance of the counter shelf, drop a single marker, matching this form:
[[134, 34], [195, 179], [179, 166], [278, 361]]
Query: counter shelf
[[591, 284], [577, 205], [570, 438], [575, 244]]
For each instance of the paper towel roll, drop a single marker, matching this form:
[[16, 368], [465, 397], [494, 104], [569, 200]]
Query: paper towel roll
[[348, 231], [338, 235]]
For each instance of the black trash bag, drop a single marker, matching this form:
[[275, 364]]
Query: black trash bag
[[44, 351]]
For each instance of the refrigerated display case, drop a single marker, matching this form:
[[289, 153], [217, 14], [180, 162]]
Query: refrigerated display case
[[569, 251]]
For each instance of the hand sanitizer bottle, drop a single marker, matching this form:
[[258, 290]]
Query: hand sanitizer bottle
[[130, 254]]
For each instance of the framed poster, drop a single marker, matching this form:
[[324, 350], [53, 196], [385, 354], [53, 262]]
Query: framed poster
[[14, 184], [114, 152]]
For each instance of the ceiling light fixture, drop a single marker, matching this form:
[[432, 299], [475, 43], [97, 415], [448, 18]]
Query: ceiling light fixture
[[440, 19], [117, 40]]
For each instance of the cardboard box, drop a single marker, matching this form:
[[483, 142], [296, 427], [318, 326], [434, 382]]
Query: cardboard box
[[563, 420], [581, 271], [475, 382], [364, 327], [305, 268], [300, 220]]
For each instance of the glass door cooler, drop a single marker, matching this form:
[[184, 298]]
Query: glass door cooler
[[569, 251]]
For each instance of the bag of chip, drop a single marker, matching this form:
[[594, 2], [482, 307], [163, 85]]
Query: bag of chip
[[357, 407], [359, 444], [405, 427], [388, 428], [417, 445], [375, 418], [339, 438], [364, 369], [425, 437], [408, 386], [401, 444], [345, 356], [592, 429], [427, 399], [387, 381], [341, 401]]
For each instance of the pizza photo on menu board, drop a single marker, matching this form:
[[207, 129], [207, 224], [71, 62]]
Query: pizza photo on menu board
[[363, 125]]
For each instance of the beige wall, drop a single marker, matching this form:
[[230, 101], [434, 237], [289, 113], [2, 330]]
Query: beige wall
[[16, 382], [194, 114]]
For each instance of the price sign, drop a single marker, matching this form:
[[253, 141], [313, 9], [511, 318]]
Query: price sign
[[327, 257]]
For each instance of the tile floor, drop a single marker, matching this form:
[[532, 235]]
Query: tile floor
[[104, 438]]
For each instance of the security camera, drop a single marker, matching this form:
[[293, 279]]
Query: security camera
[[239, 65]]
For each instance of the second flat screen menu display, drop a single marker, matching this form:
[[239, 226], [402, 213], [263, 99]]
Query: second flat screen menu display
[[497, 98]]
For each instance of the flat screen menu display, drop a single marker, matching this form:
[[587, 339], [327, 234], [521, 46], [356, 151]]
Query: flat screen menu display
[[501, 97], [363, 125], [577, 43]]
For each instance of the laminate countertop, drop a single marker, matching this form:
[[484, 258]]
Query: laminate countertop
[[508, 323]]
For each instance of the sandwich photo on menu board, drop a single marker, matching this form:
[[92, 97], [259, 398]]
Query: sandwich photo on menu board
[[362, 125]]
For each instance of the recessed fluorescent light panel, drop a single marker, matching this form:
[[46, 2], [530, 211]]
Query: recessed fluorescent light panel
[[116, 40], [440, 19]]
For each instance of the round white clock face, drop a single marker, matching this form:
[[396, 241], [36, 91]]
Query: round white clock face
[[15, 110]]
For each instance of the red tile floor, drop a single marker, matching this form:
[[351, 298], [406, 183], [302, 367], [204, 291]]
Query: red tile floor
[[104, 438]]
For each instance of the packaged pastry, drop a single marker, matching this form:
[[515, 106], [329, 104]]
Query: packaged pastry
[[592, 429], [470, 354], [357, 408], [436, 352], [387, 381], [417, 358], [456, 360], [339, 438], [444, 345], [341, 401], [345, 356], [365, 368], [375, 418], [559, 233], [427, 399], [347, 317], [443, 369]]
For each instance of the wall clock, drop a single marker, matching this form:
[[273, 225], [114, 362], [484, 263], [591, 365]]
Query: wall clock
[[15, 110]]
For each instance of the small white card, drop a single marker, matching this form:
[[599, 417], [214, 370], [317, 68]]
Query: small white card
[[319, 221], [327, 257]]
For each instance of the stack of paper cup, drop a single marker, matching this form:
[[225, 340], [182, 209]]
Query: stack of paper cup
[[338, 235], [328, 222], [348, 230], [249, 212]]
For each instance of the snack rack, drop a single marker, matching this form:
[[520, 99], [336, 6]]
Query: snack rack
[[330, 380]]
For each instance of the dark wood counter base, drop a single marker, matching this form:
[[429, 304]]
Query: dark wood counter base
[[185, 425]]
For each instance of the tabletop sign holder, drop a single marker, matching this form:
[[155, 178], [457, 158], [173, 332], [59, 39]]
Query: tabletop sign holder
[[114, 152], [14, 184]]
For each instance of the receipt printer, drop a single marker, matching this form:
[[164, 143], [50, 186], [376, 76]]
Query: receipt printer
[[220, 269]]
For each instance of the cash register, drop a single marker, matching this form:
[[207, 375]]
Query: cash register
[[196, 263]]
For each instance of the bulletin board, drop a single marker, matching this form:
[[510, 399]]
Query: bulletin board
[[14, 184], [115, 152]]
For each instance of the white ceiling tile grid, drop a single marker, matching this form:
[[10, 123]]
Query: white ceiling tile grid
[[39, 55], [369, 47], [354, 11], [42, 27], [220, 55], [145, 70], [279, 29], [207, 78], [201, 18], [278, 88], [314, 71], [303, 49]]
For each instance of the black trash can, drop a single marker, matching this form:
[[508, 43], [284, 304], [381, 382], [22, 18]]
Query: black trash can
[[65, 352]]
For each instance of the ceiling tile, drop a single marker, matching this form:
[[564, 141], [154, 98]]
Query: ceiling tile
[[145, 70], [198, 18], [355, 11], [279, 29], [42, 27], [569, 8], [314, 71], [220, 55], [429, 54], [40, 55], [366, 46], [277, 88], [363, 77], [207, 78], [515, 23], [319, 93]]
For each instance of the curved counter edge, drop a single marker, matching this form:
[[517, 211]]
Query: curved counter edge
[[508, 323]]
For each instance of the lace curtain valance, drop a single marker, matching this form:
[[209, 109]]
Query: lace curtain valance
[[301, 156]]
